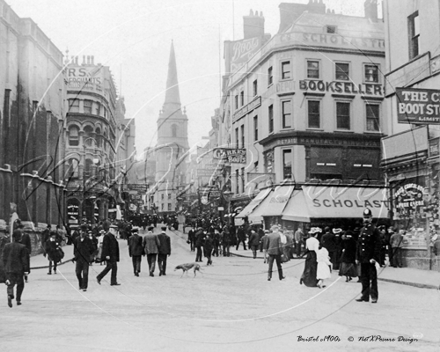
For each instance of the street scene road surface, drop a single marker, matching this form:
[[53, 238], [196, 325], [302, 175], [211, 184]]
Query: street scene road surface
[[229, 306]]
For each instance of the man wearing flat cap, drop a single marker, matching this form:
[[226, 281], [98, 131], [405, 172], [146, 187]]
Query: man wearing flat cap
[[368, 254]]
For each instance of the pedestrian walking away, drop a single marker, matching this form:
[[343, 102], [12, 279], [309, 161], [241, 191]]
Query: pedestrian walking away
[[151, 249], [16, 266], [26, 241], [207, 248], [348, 256], [135, 250], [273, 250], [200, 237], [299, 240], [226, 241], [308, 276], [328, 240], [241, 237], [254, 242], [83, 250], [368, 254], [110, 253], [164, 251]]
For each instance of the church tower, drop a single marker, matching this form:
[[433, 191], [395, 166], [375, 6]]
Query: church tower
[[172, 144]]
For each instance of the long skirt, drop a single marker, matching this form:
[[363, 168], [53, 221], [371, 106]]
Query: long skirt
[[348, 269], [309, 275]]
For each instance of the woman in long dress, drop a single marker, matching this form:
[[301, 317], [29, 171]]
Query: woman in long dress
[[324, 265], [312, 245], [348, 262]]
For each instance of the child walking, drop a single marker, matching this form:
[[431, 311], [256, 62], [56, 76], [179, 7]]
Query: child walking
[[323, 272]]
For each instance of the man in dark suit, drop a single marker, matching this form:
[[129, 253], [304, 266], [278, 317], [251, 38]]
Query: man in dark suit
[[26, 240], [368, 254], [254, 242], [16, 266], [200, 237], [151, 248], [135, 250], [164, 250], [273, 248], [110, 253], [83, 250], [241, 234]]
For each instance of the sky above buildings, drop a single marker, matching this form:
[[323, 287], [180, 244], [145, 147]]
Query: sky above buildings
[[133, 38]]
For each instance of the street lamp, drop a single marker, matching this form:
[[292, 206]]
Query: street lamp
[[227, 195]]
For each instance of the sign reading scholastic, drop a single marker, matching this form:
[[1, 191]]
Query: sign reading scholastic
[[418, 106]]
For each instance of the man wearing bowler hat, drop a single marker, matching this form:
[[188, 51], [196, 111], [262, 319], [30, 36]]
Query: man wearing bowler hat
[[368, 255]]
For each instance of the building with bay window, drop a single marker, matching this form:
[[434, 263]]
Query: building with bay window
[[91, 145], [308, 104]]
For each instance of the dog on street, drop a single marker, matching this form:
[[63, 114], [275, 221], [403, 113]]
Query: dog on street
[[188, 266]]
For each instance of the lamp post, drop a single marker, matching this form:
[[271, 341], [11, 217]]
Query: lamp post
[[228, 195]]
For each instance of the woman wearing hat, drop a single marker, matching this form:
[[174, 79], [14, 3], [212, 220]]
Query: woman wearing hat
[[312, 246], [348, 257]]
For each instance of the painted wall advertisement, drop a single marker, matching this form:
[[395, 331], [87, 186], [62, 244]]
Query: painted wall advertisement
[[242, 50], [418, 106], [85, 78]]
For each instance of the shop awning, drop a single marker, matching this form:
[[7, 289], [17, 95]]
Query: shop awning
[[345, 202], [296, 209], [254, 203], [273, 205]]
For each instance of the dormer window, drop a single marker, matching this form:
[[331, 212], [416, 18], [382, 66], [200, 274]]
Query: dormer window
[[330, 29]]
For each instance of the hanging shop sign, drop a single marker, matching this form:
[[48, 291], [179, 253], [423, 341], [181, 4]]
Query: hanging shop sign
[[418, 106], [231, 155]]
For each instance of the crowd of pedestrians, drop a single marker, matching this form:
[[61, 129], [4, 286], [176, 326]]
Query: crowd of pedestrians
[[354, 252]]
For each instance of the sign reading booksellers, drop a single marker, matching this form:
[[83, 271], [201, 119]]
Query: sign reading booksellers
[[418, 106]]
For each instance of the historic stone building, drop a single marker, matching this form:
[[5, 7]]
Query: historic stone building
[[307, 106], [32, 93], [171, 152], [411, 157], [91, 141]]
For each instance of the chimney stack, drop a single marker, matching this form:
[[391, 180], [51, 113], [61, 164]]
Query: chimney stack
[[370, 8], [253, 25]]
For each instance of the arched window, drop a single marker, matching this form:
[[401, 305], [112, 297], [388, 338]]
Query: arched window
[[88, 136], [88, 168], [174, 130], [71, 170], [73, 136], [98, 138]]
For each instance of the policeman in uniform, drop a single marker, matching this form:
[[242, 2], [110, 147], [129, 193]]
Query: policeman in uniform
[[368, 254]]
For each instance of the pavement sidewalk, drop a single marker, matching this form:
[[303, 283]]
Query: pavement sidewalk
[[404, 276]]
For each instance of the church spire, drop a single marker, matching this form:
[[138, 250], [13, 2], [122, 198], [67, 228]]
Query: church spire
[[172, 97]]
